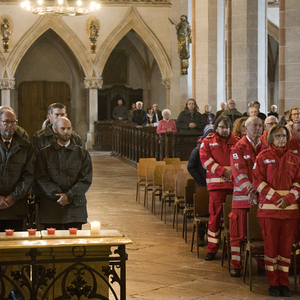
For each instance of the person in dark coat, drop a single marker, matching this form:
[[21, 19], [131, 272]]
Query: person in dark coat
[[190, 120], [157, 113], [273, 111], [232, 113], [43, 138], [16, 176], [63, 174], [120, 112], [139, 116]]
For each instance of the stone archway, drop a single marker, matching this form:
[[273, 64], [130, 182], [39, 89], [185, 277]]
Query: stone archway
[[60, 27], [133, 20]]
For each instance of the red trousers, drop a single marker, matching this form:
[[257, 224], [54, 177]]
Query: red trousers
[[279, 236], [216, 200], [238, 233]]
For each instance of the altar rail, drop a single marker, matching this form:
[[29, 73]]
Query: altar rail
[[135, 143]]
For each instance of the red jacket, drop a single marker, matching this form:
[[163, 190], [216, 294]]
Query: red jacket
[[276, 174], [264, 136], [294, 145], [242, 159], [215, 158]]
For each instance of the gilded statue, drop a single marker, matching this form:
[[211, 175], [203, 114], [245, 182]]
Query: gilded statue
[[93, 28], [183, 29], [5, 31]]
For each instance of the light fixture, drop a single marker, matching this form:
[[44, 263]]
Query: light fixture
[[60, 8]]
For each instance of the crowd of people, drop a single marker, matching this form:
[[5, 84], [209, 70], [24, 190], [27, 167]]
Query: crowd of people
[[257, 161], [54, 168]]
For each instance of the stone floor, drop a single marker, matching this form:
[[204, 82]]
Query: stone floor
[[160, 265]]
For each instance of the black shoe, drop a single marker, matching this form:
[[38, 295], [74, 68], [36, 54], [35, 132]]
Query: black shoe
[[15, 295], [274, 291], [285, 291], [209, 256], [235, 273], [261, 272]]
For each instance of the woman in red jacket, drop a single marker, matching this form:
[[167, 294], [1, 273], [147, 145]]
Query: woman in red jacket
[[276, 176]]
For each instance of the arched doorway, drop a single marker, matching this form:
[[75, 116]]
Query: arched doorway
[[132, 72], [49, 72]]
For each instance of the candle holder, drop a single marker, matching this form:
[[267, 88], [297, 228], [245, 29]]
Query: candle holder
[[95, 227], [31, 231], [9, 231], [72, 230], [51, 230]]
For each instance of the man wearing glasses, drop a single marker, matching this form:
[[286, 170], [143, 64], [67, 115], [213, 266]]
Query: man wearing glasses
[[16, 175], [215, 158], [269, 123]]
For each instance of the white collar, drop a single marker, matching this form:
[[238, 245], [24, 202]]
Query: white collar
[[258, 143], [66, 145]]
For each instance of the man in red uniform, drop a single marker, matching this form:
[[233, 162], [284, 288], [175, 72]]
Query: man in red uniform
[[215, 158], [295, 140], [243, 156], [269, 122]]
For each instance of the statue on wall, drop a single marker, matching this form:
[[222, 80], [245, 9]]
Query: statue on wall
[[5, 32], [183, 29], [93, 27]]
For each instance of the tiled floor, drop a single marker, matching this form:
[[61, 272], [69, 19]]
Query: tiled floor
[[160, 265]]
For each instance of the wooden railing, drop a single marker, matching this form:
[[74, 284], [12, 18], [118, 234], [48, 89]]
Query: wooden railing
[[135, 143]]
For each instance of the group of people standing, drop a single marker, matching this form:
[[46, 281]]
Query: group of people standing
[[256, 168], [54, 168]]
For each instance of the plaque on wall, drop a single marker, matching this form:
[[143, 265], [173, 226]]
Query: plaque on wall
[[116, 68]]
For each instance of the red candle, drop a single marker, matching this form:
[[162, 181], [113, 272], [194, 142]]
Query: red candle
[[9, 231], [31, 231], [72, 230], [50, 230]]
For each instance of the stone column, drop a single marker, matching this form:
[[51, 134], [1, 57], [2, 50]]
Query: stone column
[[205, 52], [92, 84], [166, 83], [289, 63], [6, 84], [249, 53]]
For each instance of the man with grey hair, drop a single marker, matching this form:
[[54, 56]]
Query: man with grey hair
[[139, 116], [252, 111], [16, 176], [242, 159], [232, 112], [269, 123], [219, 112], [63, 173]]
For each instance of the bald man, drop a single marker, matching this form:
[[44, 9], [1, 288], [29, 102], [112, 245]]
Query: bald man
[[63, 173], [269, 123]]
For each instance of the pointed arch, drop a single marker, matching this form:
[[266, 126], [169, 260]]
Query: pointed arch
[[60, 27], [133, 20]]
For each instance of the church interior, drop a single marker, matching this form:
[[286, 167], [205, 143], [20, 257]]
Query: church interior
[[246, 50]]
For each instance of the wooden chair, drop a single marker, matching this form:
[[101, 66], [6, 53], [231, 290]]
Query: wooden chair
[[141, 173], [180, 183], [149, 179], [157, 183], [168, 191], [184, 164], [255, 244], [188, 211], [201, 212], [226, 236], [171, 160]]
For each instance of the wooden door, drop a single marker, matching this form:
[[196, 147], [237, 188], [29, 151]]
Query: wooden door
[[34, 97]]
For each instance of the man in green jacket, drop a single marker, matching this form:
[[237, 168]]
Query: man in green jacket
[[63, 173], [16, 172]]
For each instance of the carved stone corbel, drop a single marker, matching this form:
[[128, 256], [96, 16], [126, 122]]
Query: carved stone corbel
[[166, 83], [7, 83], [93, 82]]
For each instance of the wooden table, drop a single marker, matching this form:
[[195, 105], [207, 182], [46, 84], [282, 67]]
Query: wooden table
[[49, 266]]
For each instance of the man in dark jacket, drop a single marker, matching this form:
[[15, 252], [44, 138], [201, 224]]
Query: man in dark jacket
[[43, 138], [139, 116], [63, 173], [190, 120], [16, 175], [232, 113], [120, 112]]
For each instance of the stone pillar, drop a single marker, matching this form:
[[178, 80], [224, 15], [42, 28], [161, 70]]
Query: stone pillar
[[92, 84], [166, 83], [205, 52], [249, 53], [289, 64], [6, 84]]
